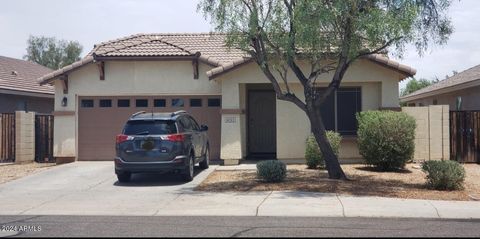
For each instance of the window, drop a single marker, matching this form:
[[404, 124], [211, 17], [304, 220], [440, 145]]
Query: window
[[123, 103], [87, 103], [195, 102], [420, 104], [159, 103], [214, 102], [435, 102], [105, 103], [411, 104], [177, 103], [141, 103], [340, 108], [185, 124], [194, 124], [136, 127]]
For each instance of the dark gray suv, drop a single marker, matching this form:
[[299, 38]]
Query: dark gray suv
[[161, 142]]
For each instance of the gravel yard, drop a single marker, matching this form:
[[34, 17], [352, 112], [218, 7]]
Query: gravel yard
[[409, 183], [9, 171]]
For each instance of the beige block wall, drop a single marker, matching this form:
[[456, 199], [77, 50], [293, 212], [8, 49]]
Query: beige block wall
[[432, 135], [124, 78], [24, 137]]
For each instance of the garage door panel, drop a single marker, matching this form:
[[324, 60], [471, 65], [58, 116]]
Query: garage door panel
[[98, 126]]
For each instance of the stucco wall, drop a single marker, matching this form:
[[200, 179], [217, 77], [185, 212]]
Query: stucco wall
[[470, 99], [124, 78], [11, 103], [379, 89]]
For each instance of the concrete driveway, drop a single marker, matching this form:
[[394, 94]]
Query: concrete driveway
[[91, 188]]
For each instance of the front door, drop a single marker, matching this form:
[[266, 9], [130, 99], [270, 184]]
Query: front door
[[262, 123]]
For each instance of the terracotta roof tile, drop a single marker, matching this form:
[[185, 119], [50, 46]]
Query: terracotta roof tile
[[211, 46], [20, 75]]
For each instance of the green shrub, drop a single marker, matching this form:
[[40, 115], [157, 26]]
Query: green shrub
[[386, 138], [444, 174], [313, 154], [272, 170]]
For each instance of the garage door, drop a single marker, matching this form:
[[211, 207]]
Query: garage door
[[101, 118]]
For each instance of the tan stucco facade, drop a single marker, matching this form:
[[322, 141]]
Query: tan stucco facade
[[379, 90], [378, 84]]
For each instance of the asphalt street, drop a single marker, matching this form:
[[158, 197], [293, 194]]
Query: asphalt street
[[148, 226]]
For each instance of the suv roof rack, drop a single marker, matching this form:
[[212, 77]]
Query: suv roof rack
[[179, 112], [138, 113]]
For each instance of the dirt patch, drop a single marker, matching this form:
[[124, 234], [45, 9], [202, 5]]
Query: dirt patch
[[9, 172], [365, 181]]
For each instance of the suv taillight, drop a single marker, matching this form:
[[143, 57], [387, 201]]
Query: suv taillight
[[174, 137], [122, 138]]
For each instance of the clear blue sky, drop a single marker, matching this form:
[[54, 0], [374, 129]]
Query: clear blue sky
[[93, 21]]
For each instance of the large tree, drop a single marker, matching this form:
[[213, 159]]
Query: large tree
[[52, 53], [414, 85], [326, 35]]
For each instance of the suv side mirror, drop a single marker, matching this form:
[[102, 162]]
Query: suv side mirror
[[203, 127]]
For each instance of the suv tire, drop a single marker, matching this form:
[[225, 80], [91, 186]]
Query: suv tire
[[124, 177], [206, 159], [189, 170]]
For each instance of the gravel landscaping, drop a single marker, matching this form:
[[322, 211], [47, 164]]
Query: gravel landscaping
[[409, 183], [9, 171]]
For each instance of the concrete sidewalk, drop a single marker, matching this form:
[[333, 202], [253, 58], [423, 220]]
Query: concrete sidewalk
[[91, 188]]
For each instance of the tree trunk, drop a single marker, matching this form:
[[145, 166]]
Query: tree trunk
[[318, 129]]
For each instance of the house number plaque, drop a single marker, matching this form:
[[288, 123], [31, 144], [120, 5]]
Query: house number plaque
[[230, 119]]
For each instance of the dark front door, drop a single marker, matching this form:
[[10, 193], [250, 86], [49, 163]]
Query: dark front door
[[262, 123]]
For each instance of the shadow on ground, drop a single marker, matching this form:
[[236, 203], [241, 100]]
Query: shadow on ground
[[156, 179]]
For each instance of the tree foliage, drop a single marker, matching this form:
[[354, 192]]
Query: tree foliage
[[328, 36], [414, 85], [52, 53]]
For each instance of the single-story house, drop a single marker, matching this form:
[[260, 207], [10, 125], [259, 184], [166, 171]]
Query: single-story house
[[460, 90], [19, 89], [220, 87]]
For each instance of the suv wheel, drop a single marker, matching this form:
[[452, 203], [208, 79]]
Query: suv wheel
[[206, 159], [124, 177], [189, 171]]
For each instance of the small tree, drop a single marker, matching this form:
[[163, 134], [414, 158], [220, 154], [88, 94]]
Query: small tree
[[327, 35], [414, 85], [52, 53]]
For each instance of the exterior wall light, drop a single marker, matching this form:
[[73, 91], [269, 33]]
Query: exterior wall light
[[64, 101]]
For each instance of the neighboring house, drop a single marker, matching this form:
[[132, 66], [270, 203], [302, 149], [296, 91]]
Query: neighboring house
[[462, 87], [19, 89], [220, 87]]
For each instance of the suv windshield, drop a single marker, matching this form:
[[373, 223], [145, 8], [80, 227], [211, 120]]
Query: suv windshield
[[145, 127]]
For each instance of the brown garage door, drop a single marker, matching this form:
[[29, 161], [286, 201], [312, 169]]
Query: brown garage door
[[101, 118]]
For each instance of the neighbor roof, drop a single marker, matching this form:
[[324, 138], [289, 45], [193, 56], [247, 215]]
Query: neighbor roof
[[208, 47], [20, 75], [463, 77]]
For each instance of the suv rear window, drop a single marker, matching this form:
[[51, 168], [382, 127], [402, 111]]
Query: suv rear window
[[145, 127]]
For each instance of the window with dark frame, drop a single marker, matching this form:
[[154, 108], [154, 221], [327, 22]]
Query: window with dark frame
[[195, 102], [123, 103], [141, 103], [104, 103], [340, 108], [87, 103], [214, 102], [178, 103], [159, 103]]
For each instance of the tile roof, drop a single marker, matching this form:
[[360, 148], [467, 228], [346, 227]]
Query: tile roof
[[209, 47], [466, 76], [20, 75]]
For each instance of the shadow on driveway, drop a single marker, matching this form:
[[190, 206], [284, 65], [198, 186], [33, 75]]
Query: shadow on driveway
[[156, 179]]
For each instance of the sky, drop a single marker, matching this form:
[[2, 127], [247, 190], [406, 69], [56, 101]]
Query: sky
[[91, 21]]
